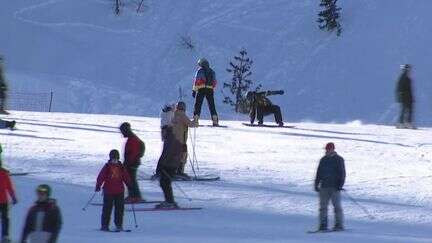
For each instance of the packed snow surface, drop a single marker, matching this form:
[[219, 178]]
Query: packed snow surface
[[96, 62], [266, 189]]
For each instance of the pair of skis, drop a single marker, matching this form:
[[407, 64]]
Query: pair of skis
[[151, 209]]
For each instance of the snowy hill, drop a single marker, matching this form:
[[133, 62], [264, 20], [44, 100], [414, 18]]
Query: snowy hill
[[265, 194], [99, 63]]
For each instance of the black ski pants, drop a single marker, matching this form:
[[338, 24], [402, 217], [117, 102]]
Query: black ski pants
[[268, 110], [406, 115], [209, 95], [110, 201], [166, 175], [133, 188], [4, 210]]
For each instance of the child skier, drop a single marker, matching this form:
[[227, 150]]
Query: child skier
[[6, 189], [44, 220], [112, 177]]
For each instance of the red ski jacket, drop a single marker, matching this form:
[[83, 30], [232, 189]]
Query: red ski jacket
[[113, 176], [6, 187], [134, 150]]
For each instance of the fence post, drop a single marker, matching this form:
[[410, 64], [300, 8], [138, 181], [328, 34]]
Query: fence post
[[51, 101]]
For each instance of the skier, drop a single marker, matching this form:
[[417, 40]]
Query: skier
[[180, 127], [261, 106], [44, 220], [404, 96], [3, 89], [329, 182], [133, 152], [112, 177], [7, 124], [166, 116], [6, 189], [204, 85]]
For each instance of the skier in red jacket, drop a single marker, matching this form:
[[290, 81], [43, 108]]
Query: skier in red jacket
[[113, 176], [6, 191], [133, 152]]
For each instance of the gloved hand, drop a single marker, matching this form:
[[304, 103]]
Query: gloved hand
[[14, 201], [193, 93], [97, 189], [317, 189]]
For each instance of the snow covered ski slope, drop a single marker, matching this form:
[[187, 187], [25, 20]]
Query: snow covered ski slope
[[265, 193]]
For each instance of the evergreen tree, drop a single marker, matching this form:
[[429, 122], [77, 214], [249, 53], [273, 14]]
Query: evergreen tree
[[240, 83], [328, 18]]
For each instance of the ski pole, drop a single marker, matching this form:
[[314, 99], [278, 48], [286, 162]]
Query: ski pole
[[368, 214], [178, 187], [134, 215], [88, 203]]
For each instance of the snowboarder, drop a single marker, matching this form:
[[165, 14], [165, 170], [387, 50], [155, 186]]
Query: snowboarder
[[6, 191], [329, 182], [133, 152], [404, 96], [261, 106], [44, 220], [204, 85], [180, 127], [112, 177], [3, 89], [7, 124]]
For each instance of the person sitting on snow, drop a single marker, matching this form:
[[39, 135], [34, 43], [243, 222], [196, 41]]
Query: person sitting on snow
[[261, 106], [44, 220], [112, 177]]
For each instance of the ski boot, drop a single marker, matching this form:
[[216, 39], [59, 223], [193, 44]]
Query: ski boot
[[105, 228], [338, 227], [281, 124], [196, 120], [215, 120], [119, 229]]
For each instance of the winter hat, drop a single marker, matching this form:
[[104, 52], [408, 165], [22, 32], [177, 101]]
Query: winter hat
[[202, 62], [181, 106], [114, 154], [330, 147], [44, 188], [125, 126]]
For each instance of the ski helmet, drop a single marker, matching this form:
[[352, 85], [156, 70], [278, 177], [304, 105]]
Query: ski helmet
[[202, 62], [181, 106], [114, 154], [44, 188], [125, 127]]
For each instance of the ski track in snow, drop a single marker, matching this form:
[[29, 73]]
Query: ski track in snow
[[18, 15], [273, 166]]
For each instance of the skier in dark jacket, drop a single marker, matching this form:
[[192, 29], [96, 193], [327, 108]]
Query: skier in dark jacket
[[3, 89], [261, 106], [133, 152], [329, 181], [204, 85], [404, 96], [112, 177], [44, 221], [7, 192]]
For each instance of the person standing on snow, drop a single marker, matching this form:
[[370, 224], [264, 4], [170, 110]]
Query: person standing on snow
[[404, 96], [180, 126], [204, 85], [44, 220], [329, 182], [3, 89], [133, 152], [6, 191], [112, 177], [174, 153]]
